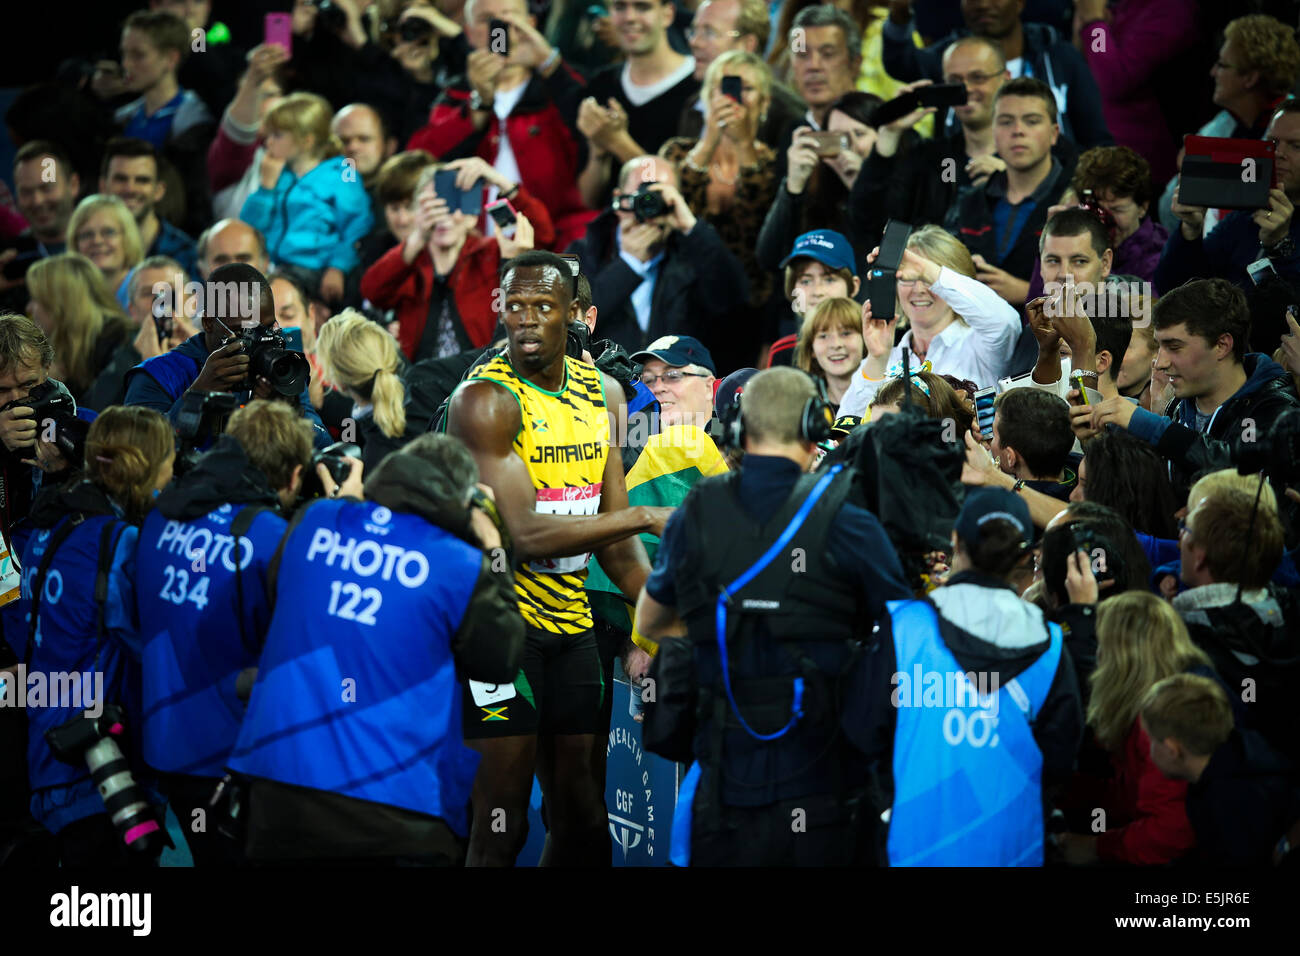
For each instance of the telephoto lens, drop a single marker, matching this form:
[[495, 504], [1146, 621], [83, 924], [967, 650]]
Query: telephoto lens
[[94, 741], [268, 357]]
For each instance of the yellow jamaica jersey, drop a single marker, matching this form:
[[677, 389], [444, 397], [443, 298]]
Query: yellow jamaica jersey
[[564, 442]]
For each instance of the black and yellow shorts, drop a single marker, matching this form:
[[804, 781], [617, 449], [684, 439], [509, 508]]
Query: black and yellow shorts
[[559, 690]]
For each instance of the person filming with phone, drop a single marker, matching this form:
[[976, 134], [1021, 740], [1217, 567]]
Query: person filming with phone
[[442, 279]]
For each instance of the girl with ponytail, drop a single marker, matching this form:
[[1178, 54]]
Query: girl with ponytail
[[364, 361], [84, 530]]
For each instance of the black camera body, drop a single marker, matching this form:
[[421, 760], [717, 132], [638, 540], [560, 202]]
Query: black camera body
[[200, 419], [93, 741], [1276, 454], [648, 204], [335, 459], [270, 357], [415, 30], [50, 406], [578, 338]]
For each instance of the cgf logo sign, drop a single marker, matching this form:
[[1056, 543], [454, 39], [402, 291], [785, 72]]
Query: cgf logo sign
[[631, 819]]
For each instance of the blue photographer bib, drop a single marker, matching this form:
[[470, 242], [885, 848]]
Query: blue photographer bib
[[356, 690], [967, 770], [195, 638]]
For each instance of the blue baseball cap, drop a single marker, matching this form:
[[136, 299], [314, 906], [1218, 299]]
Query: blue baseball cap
[[730, 387], [676, 351], [826, 246], [985, 504]]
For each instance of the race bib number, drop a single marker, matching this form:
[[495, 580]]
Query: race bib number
[[582, 500], [485, 694]]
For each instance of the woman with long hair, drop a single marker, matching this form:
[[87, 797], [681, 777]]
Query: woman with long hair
[[364, 361], [1126, 474], [957, 323], [1140, 640], [73, 305], [830, 346], [103, 230], [88, 528]]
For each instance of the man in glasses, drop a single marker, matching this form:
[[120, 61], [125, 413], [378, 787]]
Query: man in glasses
[[680, 372]]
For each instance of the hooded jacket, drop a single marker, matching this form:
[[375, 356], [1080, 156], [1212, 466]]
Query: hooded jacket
[[1267, 393], [1048, 57]]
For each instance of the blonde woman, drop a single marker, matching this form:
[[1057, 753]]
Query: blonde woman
[[103, 230], [957, 323], [364, 361], [74, 308], [830, 346], [310, 203], [1140, 640], [728, 177], [129, 457]]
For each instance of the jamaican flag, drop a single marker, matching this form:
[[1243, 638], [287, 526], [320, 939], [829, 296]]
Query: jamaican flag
[[669, 466]]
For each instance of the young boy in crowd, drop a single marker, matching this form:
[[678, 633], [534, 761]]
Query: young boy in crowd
[[820, 266]]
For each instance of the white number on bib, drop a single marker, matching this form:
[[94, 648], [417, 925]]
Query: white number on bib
[[583, 500], [485, 694]]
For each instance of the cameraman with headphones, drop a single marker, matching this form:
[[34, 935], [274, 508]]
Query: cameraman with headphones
[[774, 579], [381, 606], [203, 608]]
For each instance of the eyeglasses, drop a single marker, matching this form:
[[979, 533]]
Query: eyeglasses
[[89, 235], [1183, 528], [710, 34], [972, 79], [671, 377]]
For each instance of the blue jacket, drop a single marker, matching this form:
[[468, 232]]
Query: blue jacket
[[200, 623], [65, 644], [356, 689], [314, 222], [160, 383], [1267, 393], [1231, 246], [1048, 56]]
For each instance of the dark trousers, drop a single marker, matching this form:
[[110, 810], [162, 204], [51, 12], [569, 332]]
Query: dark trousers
[[208, 846], [808, 831], [94, 842]]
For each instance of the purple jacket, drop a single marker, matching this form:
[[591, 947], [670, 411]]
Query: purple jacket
[[1125, 55]]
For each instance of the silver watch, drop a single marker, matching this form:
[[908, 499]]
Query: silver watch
[[476, 102]]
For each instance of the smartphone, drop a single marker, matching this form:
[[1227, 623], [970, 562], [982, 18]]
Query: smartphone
[[942, 94], [734, 87], [985, 410], [1259, 270], [444, 187], [1087, 396], [827, 143], [28, 253], [278, 31], [504, 215], [499, 37], [881, 287]]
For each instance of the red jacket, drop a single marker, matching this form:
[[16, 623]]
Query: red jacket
[[542, 141], [392, 284], [1146, 812]]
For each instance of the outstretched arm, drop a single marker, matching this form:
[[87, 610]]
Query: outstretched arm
[[486, 418]]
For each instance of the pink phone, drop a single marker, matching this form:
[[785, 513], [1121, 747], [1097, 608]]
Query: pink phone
[[279, 31]]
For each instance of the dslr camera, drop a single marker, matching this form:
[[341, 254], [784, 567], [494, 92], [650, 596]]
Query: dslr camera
[[270, 357], [93, 741], [645, 204], [51, 406], [200, 419], [335, 459]]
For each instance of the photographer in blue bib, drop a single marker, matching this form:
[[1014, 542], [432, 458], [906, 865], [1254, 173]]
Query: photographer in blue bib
[[202, 567], [778, 579], [77, 574], [241, 349], [380, 607]]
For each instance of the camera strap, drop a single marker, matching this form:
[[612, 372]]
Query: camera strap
[[108, 538], [238, 528], [38, 579]]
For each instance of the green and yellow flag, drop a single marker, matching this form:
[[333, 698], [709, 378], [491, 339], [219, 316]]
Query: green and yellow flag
[[669, 466]]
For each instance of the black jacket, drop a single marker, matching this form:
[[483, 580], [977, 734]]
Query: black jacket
[[699, 282], [904, 186], [1243, 803], [971, 220], [223, 475], [424, 383]]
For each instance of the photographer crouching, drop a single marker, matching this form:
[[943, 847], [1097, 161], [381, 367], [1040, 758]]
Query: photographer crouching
[[381, 605], [240, 350], [204, 555]]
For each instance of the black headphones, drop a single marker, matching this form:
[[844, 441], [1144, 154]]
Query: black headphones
[[815, 422]]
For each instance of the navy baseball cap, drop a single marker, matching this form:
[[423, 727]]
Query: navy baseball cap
[[730, 387], [985, 504], [826, 246], [676, 351]]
